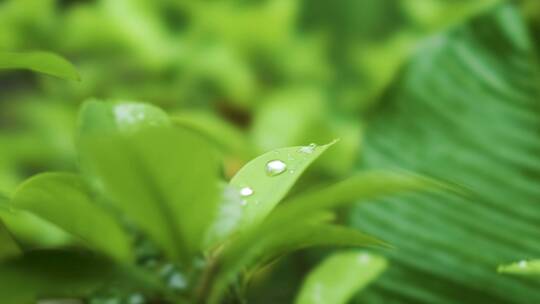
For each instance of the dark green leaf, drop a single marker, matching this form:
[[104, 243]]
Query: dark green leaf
[[8, 246], [465, 110], [60, 274]]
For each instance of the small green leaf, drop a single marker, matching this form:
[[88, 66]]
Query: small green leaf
[[163, 179], [64, 200], [264, 181], [43, 62], [339, 277], [531, 267], [62, 274], [31, 231], [362, 186]]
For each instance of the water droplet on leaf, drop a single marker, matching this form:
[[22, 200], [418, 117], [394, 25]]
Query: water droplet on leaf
[[364, 258], [246, 191], [275, 167], [308, 149]]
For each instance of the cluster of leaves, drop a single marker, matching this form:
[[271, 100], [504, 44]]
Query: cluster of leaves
[[311, 64], [463, 90], [150, 200]]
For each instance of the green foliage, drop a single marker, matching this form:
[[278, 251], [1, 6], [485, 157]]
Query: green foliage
[[63, 199], [57, 273], [162, 204], [340, 276], [30, 231], [42, 62], [140, 172], [464, 110], [151, 174]]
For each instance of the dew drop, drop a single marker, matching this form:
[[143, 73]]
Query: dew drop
[[275, 167], [308, 149], [364, 258], [246, 191]]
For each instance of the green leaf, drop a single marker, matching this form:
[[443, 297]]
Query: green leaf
[[228, 217], [464, 110], [8, 246], [43, 62], [339, 277], [62, 274], [96, 117], [31, 231], [298, 222], [362, 186], [165, 180], [265, 190], [302, 234], [64, 200], [531, 267]]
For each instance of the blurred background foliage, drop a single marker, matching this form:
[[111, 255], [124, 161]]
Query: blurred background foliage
[[427, 85]]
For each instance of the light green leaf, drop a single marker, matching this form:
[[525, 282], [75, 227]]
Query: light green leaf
[[64, 200], [297, 223], [339, 277], [163, 179], [531, 267], [96, 117], [264, 181], [228, 217], [31, 231], [465, 110], [64, 274], [43, 62], [362, 186]]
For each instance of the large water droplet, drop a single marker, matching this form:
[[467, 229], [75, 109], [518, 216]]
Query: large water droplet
[[308, 149], [275, 167], [246, 191]]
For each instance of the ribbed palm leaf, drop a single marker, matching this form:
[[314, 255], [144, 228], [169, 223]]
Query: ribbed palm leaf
[[466, 109]]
